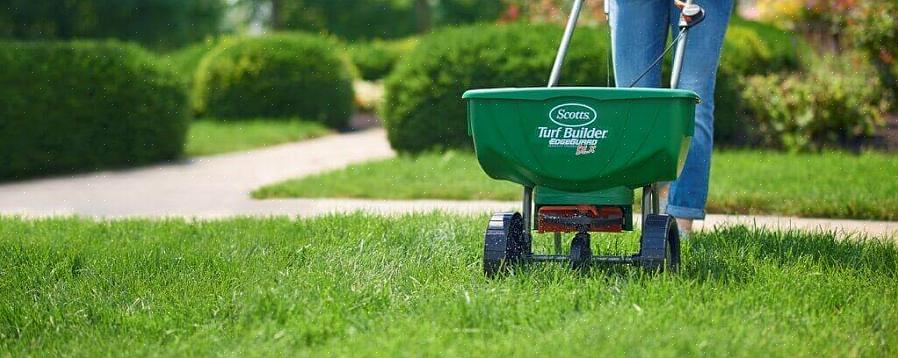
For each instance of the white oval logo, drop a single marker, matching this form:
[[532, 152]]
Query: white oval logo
[[573, 115]]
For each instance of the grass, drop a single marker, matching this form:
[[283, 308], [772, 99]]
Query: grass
[[372, 286], [835, 185], [211, 136], [453, 175]]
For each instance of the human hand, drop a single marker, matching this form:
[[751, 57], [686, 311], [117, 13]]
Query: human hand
[[688, 11]]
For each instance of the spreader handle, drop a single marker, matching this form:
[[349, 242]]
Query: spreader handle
[[697, 14], [565, 42]]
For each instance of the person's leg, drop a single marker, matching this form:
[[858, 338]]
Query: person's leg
[[638, 34], [689, 193]]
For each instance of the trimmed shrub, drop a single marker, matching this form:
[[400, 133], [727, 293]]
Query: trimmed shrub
[[186, 60], [379, 19], [80, 106], [376, 59], [423, 108], [275, 76], [831, 105], [158, 24]]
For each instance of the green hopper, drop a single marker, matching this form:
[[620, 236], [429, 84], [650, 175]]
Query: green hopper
[[580, 153]]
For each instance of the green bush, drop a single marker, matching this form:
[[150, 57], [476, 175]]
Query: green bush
[[275, 76], [833, 105], [86, 105], [378, 19], [750, 48], [377, 58], [160, 24], [873, 27], [186, 60], [423, 107]]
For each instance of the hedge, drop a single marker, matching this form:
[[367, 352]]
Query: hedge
[[157, 24], [83, 105], [284, 75], [376, 59], [423, 109], [379, 19]]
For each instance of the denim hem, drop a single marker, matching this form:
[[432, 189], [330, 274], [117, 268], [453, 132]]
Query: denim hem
[[681, 212]]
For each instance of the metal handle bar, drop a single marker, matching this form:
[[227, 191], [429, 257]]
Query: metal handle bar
[[572, 25], [565, 42]]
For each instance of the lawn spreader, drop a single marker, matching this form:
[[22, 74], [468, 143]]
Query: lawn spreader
[[580, 153]]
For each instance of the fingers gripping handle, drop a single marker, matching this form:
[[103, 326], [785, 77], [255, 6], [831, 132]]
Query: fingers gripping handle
[[691, 15]]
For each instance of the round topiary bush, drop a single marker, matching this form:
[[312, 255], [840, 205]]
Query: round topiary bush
[[75, 106], [423, 108], [276, 76]]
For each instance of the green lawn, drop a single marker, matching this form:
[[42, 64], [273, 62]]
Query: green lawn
[[373, 286], [210, 136], [836, 185]]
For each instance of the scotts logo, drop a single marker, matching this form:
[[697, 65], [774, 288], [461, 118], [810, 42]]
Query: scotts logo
[[573, 115]]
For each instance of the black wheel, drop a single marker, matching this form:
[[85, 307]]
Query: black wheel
[[660, 244], [505, 243], [581, 253]]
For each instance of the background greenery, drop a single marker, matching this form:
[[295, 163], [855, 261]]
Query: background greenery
[[370, 19], [775, 87], [159, 24], [76, 106], [275, 76]]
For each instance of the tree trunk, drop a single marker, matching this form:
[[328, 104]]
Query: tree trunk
[[422, 15], [276, 21]]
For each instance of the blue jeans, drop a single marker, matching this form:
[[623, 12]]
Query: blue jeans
[[639, 31]]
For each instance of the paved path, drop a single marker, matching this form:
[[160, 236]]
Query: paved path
[[219, 186], [201, 187]]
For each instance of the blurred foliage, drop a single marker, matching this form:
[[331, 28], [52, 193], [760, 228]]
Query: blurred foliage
[[792, 13], [375, 59], [837, 103], [283, 75], [873, 27], [835, 26], [370, 19], [750, 48], [553, 11], [184, 61], [82, 105], [158, 24]]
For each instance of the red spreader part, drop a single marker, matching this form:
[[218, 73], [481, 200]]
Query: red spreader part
[[568, 218]]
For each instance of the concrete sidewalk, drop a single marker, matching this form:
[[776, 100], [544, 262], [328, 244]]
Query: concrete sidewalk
[[219, 186], [201, 187]]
